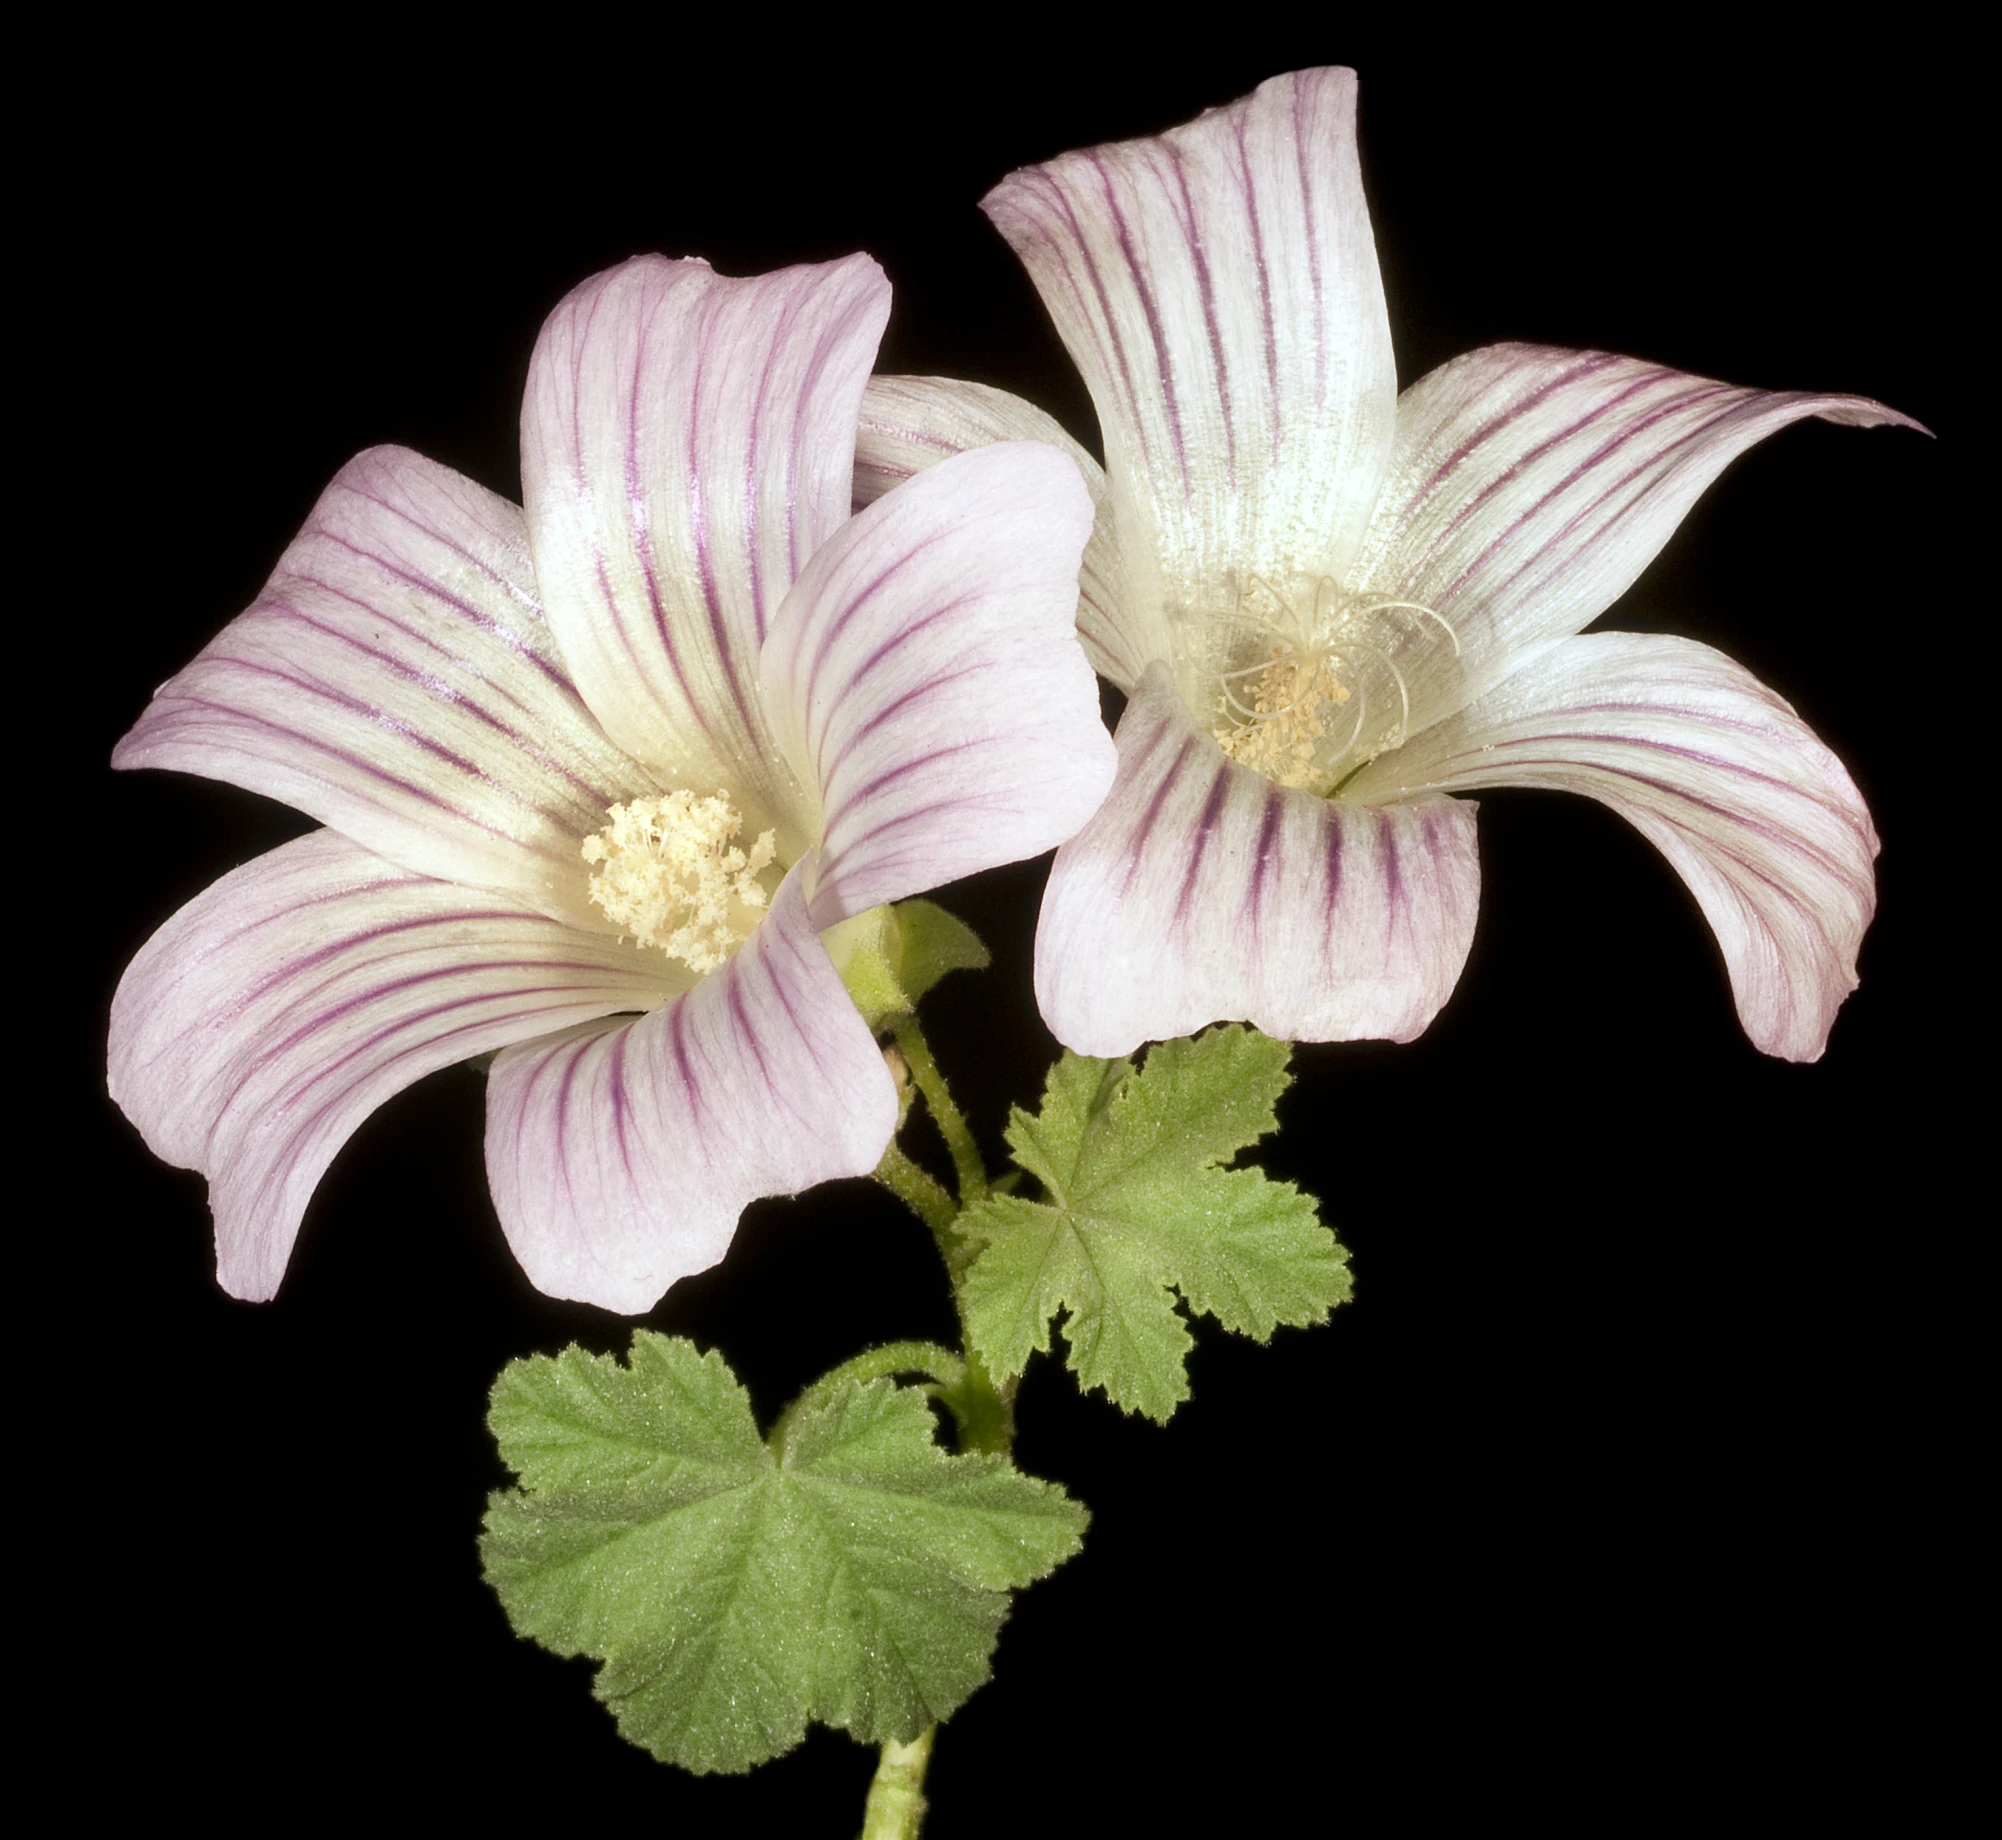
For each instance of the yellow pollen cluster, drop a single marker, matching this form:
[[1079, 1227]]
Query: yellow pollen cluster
[[1278, 731], [667, 875]]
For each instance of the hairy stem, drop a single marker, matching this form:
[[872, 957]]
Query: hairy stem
[[945, 1367], [983, 1413], [895, 1809], [925, 1198], [967, 1167]]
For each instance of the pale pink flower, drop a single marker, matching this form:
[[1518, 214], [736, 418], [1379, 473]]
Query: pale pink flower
[[801, 715], [1332, 606]]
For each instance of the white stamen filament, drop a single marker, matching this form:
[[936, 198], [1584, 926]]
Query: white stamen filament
[[1273, 713]]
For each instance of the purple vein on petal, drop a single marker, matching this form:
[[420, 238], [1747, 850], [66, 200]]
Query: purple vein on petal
[[1589, 365], [495, 630], [1185, 221], [1152, 815], [1267, 854], [325, 1071], [1137, 272], [441, 689], [512, 589], [1331, 869], [359, 763], [1649, 472], [1511, 478], [833, 629], [694, 486], [297, 967], [677, 1028], [1206, 828], [1393, 878], [1307, 162], [747, 485], [1250, 191], [740, 1010], [853, 801], [339, 1011], [572, 1060], [1776, 834], [621, 1106], [1113, 338], [916, 694]]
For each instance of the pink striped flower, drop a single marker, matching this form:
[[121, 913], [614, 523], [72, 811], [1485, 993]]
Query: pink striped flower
[[1332, 606], [597, 775]]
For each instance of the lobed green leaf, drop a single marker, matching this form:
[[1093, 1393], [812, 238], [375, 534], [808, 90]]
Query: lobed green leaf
[[856, 1574], [1139, 1210]]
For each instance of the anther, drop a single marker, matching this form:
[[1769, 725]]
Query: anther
[[667, 874], [1274, 714]]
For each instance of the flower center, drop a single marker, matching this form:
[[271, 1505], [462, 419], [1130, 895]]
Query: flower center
[[1273, 717], [667, 873], [1306, 697]]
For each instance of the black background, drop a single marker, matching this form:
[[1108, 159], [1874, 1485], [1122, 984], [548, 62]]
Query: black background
[[1618, 1485]]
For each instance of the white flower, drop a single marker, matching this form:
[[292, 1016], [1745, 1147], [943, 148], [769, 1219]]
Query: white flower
[[1332, 606], [630, 750]]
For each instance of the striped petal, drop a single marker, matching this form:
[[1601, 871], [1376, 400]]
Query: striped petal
[[1719, 774], [1531, 486], [910, 423], [688, 442], [275, 1011], [1203, 892], [1218, 290], [396, 680], [621, 1155], [925, 677]]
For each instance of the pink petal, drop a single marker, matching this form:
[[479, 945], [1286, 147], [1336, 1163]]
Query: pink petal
[[1531, 486], [273, 1013], [1719, 774], [1218, 289], [397, 681], [925, 676], [910, 423], [1203, 892], [688, 442], [621, 1154]]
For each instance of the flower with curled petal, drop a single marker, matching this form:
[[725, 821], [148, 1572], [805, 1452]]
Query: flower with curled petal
[[596, 775], [1332, 607]]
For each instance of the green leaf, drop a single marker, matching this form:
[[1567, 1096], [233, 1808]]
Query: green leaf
[[1139, 1208], [851, 1572]]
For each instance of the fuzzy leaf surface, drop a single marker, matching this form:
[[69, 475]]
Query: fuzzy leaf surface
[[1139, 1208], [854, 1573]]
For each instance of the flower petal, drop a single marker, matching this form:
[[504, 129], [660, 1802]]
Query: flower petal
[[688, 442], [272, 1014], [910, 423], [396, 680], [1531, 486], [1203, 892], [1719, 774], [621, 1155], [1218, 289], [925, 676]]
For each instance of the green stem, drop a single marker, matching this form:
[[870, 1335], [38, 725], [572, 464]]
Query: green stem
[[966, 1164], [895, 1809], [983, 1412], [873, 1364], [925, 1198]]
